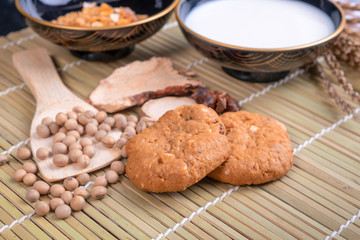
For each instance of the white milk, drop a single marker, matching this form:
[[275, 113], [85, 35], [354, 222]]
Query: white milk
[[260, 23]]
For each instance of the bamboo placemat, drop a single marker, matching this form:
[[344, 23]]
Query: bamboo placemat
[[319, 198]]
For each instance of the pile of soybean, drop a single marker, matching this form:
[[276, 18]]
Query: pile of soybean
[[74, 133], [69, 196]]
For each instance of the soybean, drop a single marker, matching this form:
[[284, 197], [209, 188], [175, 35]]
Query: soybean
[[47, 121], [3, 159], [42, 208], [68, 140], [74, 133], [63, 211], [71, 183], [55, 202], [93, 121], [74, 154], [67, 196], [57, 189], [100, 134], [63, 130], [77, 203], [71, 124], [89, 150], [98, 192], [110, 121], [121, 142], [32, 195], [80, 129], [59, 148], [121, 122], [58, 137], [91, 129], [43, 130], [118, 167], [19, 175], [111, 176], [85, 141], [83, 178], [75, 145], [61, 118], [90, 113], [42, 187], [132, 118], [30, 167], [54, 128], [42, 153], [104, 127], [130, 130], [100, 181], [100, 116], [72, 115], [108, 141], [83, 161], [29, 179], [83, 119], [23, 153], [60, 160]]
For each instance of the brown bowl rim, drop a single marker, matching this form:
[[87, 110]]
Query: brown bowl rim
[[66, 27], [337, 31]]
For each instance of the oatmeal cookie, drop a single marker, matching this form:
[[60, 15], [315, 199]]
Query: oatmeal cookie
[[261, 150], [180, 149]]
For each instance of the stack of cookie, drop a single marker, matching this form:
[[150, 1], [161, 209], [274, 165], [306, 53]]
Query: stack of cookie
[[191, 142]]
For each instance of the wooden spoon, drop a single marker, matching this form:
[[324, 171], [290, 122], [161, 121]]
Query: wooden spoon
[[38, 72]]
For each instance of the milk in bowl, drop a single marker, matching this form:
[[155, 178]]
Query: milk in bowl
[[260, 40], [260, 23]]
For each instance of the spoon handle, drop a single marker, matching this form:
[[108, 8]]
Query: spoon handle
[[38, 72]]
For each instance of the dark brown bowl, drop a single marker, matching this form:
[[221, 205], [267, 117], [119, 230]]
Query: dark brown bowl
[[255, 64], [96, 43]]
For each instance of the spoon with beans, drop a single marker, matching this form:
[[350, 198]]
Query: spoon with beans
[[63, 122]]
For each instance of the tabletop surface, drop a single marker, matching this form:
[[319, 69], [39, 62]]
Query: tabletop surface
[[319, 194]]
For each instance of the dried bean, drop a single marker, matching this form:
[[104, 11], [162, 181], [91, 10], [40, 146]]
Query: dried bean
[[29, 179], [62, 211], [30, 167], [60, 160], [42, 187], [55, 202], [23, 153], [98, 192], [43, 131], [77, 203], [108, 141], [118, 167], [59, 148], [58, 137], [61, 118], [83, 178], [42, 153], [100, 116], [57, 189], [42, 208], [32, 195], [83, 161], [71, 183]]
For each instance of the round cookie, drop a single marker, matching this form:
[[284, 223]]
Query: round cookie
[[261, 150], [178, 150]]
